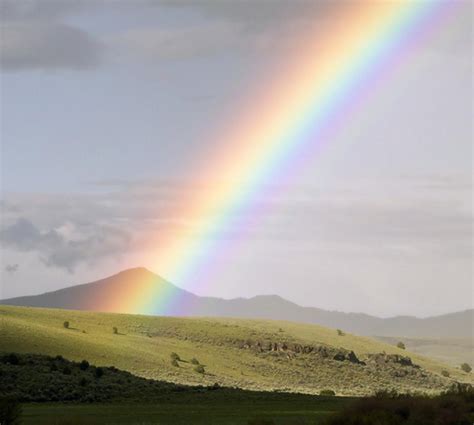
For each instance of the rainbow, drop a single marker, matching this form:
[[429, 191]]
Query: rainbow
[[281, 128]]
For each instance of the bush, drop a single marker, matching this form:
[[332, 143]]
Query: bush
[[327, 393], [340, 333], [466, 367], [115, 330], [445, 373], [84, 365], [401, 345], [67, 370], [175, 356], [174, 362], [83, 382], [447, 409], [66, 325], [194, 360], [99, 372], [199, 369], [11, 358], [10, 412]]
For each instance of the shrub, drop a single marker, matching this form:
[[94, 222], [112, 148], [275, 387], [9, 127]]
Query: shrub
[[401, 345], [466, 367], [445, 373], [199, 369], [327, 393], [99, 372], [11, 358], [115, 330], [66, 325], [10, 412], [194, 360], [84, 365], [83, 382], [340, 333], [67, 370], [175, 356], [174, 362], [447, 409]]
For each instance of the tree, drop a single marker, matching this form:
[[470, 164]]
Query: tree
[[340, 333], [66, 325], [401, 345], [10, 412], [466, 367]]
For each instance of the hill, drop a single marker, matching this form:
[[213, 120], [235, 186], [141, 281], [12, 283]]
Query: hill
[[107, 295], [250, 354], [453, 351]]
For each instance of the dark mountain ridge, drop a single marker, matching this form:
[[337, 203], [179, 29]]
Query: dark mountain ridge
[[109, 294]]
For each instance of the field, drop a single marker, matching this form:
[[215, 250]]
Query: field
[[181, 412], [250, 354]]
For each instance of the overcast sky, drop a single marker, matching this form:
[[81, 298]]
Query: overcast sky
[[107, 105]]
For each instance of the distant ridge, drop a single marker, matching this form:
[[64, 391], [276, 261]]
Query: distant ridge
[[102, 294]]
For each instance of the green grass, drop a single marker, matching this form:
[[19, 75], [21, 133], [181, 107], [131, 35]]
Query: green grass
[[144, 343], [182, 412]]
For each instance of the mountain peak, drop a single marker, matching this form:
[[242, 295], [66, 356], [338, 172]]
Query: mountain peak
[[137, 271]]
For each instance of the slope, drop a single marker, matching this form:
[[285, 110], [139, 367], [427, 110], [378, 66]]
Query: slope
[[251, 354]]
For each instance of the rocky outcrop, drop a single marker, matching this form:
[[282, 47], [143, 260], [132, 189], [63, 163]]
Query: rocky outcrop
[[292, 349], [394, 359]]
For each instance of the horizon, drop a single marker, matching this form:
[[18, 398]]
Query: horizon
[[237, 298], [320, 151]]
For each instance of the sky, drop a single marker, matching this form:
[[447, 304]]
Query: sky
[[108, 108]]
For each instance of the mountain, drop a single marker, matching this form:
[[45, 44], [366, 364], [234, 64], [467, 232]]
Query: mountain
[[112, 294]]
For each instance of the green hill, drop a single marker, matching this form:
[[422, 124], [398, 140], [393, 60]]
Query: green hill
[[251, 354]]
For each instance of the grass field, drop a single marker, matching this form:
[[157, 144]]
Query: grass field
[[183, 412], [225, 347]]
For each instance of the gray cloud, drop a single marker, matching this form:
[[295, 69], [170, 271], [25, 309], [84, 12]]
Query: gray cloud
[[35, 36], [47, 45], [424, 222], [11, 268], [67, 246]]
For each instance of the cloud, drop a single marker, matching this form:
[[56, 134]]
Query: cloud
[[11, 268], [410, 219], [47, 45], [67, 246], [179, 43]]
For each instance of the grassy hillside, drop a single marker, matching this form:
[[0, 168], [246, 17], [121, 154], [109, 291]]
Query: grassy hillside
[[452, 351], [234, 352]]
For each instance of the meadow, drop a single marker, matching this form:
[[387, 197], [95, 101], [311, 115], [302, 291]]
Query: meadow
[[250, 354]]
